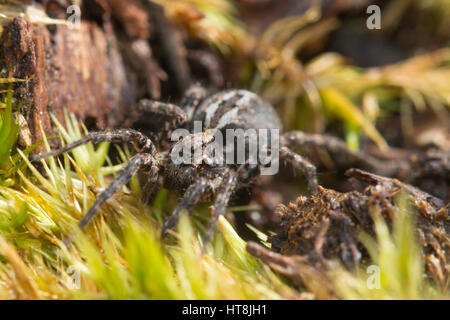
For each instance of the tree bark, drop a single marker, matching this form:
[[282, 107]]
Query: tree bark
[[81, 71]]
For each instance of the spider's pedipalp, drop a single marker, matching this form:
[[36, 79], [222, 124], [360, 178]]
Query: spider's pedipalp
[[226, 189], [117, 136], [136, 162], [298, 162], [191, 197]]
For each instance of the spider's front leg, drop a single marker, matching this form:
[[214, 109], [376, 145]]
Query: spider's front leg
[[144, 159], [223, 195], [191, 197], [143, 143], [138, 161]]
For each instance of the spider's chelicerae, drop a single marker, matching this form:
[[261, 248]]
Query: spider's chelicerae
[[203, 182]]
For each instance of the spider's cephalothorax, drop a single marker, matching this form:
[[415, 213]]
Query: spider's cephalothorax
[[205, 180]]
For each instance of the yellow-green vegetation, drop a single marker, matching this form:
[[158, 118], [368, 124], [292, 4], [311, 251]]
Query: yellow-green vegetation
[[9, 131], [122, 257], [10, 9], [211, 21], [309, 94]]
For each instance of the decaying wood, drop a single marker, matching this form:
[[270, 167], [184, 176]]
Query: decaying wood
[[173, 50], [98, 72], [79, 70], [320, 229], [133, 16]]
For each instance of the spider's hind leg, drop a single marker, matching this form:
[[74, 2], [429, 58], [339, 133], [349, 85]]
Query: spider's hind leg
[[298, 162], [191, 197], [342, 155]]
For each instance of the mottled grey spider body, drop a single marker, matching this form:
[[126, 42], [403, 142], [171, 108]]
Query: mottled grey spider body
[[230, 109], [202, 182]]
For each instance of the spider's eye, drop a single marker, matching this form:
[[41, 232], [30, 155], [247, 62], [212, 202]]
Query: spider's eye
[[189, 170]]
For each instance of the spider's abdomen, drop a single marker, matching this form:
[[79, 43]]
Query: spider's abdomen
[[236, 109]]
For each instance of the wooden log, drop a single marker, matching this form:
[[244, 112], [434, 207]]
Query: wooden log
[[81, 71]]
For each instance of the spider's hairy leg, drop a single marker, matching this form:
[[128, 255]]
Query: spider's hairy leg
[[117, 136], [340, 152], [138, 161], [298, 162], [191, 198], [226, 189], [176, 114], [192, 98]]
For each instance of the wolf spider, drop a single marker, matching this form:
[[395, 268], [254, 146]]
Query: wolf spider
[[202, 182]]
